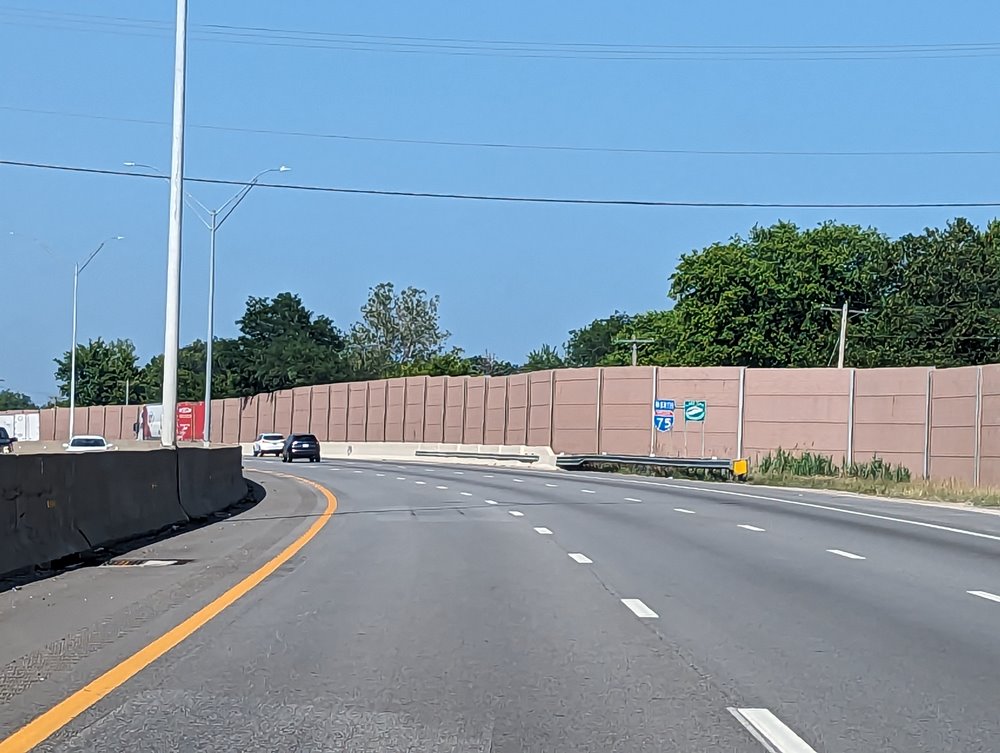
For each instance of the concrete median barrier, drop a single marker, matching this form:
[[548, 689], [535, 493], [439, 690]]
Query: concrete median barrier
[[209, 480], [58, 505], [437, 452]]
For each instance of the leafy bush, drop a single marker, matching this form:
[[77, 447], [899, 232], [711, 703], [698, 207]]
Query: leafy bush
[[784, 463]]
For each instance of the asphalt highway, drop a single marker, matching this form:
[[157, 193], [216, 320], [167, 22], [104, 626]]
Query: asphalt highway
[[447, 608]]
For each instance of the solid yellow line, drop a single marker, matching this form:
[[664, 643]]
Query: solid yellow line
[[65, 711]]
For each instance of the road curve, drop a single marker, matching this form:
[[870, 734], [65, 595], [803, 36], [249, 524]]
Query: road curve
[[450, 608]]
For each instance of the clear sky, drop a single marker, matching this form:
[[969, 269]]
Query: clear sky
[[510, 276]]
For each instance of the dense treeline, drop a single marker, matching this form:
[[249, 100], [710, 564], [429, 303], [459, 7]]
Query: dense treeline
[[761, 301]]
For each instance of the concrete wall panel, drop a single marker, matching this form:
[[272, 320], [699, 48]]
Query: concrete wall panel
[[413, 424], [475, 409], [575, 411], [541, 384], [337, 417], [395, 409], [454, 409], [319, 412], [378, 396], [357, 411], [301, 409], [434, 410], [496, 411]]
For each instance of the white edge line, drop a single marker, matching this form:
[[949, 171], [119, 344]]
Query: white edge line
[[770, 731], [817, 506], [639, 609], [985, 595], [543, 530], [516, 513], [848, 555], [582, 559]]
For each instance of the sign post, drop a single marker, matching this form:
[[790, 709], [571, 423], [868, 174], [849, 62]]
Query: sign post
[[695, 411]]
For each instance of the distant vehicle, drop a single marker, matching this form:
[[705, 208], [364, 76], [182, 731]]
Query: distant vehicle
[[269, 444], [300, 446], [6, 442], [88, 443]]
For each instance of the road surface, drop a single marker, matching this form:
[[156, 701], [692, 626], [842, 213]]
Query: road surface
[[446, 608]]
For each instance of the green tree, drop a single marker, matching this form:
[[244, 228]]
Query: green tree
[[658, 326], [191, 374], [450, 363], [545, 357], [282, 345], [590, 345], [103, 369], [10, 400], [488, 364], [396, 329], [940, 303], [759, 301]]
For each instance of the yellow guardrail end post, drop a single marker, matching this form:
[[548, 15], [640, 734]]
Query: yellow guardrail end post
[[741, 467]]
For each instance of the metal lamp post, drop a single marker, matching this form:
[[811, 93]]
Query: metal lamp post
[[77, 269], [213, 219]]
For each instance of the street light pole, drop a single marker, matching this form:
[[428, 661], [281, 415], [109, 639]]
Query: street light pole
[[77, 269], [171, 329], [207, 429], [212, 220], [72, 356]]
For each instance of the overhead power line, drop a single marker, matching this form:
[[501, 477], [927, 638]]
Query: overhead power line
[[522, 146], [521, 199], [457, 46]]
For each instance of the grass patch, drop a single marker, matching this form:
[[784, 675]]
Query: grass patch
[[876, 477]]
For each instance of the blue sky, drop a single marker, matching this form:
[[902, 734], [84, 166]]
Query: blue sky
[[510, 276]]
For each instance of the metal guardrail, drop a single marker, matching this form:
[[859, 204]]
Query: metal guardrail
[[738, 467], [479, 455]]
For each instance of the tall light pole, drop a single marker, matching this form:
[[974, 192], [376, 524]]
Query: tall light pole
[[635, 343], [213, 220], [172, 318], [77, 269]]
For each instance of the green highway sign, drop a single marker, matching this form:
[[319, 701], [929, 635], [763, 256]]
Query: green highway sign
[[694, 410]]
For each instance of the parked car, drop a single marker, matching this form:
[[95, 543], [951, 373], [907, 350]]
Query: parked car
[[6, 441], [88, 443], [269, 444], [300, 446]]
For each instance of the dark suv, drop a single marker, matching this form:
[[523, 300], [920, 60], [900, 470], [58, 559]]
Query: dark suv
[[300, 446], [6, 441]]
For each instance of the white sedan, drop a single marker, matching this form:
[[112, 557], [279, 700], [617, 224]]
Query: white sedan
[[88, 443], [268, 444]]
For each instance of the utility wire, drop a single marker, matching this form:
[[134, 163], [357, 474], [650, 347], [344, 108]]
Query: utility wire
[[521, 199], [307, 39], [522, 146]]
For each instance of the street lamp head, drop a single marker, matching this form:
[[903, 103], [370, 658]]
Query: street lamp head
[[118, 238], [130, 164], [284, 169]]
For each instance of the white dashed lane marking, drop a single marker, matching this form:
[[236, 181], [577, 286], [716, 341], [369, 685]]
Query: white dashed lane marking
[[985, 595], [466, 494], [420, 483], [400, 478], [587, 491], [747, 527], [379, 474], [770, 731], [516, 513], [544, 531], [632, 499], [359, 471], [487, 475], [552, 485], [583, 559], [440, 487], [519, 481], [639, 609], [684, 510], [491, 501], [848, 555], [458, 473]]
